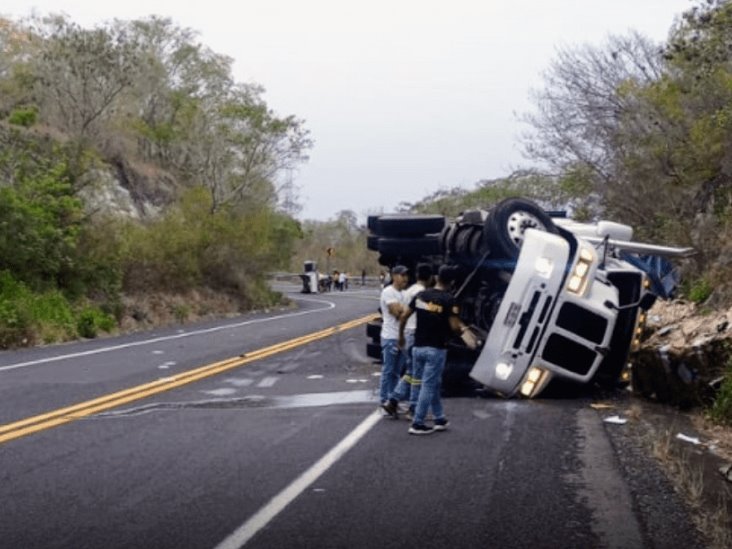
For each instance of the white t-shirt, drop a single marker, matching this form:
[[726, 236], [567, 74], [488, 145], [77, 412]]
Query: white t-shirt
[[409, 294], [390, 327]]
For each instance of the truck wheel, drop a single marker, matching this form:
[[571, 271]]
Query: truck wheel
[[409, 225], [506, 225], [410, 247], [373, 330], [372, 242], [372, 222], [373, 350]]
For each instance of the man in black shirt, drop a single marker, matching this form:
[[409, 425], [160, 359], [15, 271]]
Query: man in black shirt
[[437, 319]]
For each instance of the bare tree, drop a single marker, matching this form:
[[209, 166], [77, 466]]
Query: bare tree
[[82, 73], [589, 97]]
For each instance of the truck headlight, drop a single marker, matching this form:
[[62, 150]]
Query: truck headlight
[[533, 377], [503, 370], [578, 279]]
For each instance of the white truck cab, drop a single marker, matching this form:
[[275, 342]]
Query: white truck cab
[[556, 318]]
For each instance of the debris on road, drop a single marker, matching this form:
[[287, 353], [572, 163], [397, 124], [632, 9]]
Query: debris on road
[[615, 420], [686, 438]]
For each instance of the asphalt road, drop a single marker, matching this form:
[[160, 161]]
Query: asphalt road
[[286, 448]]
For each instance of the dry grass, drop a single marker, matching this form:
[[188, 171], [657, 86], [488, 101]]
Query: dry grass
[[687, 477], [715, 525], [146, 310], [719, 435]]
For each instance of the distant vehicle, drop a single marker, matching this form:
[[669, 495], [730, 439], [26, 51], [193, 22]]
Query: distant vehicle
[[547, 297], [310, 278]]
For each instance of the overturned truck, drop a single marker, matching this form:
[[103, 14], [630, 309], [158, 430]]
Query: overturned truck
[[546, 296]]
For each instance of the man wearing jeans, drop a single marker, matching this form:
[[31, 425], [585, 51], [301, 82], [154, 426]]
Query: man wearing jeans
[[392, 307], [409, 384], [437, 318]]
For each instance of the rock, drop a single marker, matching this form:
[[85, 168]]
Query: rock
[[685, 354]]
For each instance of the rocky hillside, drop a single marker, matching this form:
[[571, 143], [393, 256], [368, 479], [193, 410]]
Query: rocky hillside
[[686, 357]]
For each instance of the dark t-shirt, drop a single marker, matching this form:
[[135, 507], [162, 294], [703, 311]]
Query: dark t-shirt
[[433, 309]]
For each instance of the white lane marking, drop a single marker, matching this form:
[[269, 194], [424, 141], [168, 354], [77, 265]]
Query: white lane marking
[[261, 518], [330, 305], [224, 391], [158, 352], [315, 376], [239, 381], [268, 381]]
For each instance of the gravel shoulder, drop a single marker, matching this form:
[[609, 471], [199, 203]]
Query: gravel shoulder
[[658, 452]]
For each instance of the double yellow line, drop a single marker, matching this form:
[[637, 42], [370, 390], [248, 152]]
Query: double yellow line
[[58, 417]]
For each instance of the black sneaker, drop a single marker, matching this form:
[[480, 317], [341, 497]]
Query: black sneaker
[[420, 429], [390, 407], [441, 424], [409, 416]]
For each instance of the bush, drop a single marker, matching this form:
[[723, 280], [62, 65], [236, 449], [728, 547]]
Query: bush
[[27, 318], [189, 247], [699, 290], [721, 410], [15, 320], [24, 116], [40, 217], [91, 321]]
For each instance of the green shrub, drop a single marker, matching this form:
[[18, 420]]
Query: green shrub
[[721, 409], [40, 218], [24, 116], [699, 290], [92, 320], [27, 318], [230, 250], [15, 320]]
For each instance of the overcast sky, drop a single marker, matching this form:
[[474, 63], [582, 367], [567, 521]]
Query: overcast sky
[[402, 97]]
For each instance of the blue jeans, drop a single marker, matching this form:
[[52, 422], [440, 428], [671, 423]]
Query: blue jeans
[[408, 385], [430, 361], [393, 362]]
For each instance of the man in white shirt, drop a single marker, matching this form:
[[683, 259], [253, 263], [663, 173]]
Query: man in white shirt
[[409, 384], [392, 306]]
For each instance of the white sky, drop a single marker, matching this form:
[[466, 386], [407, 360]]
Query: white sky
[[402, 97]]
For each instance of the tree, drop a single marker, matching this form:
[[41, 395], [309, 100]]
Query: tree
[[16, 79], [178, 79], [243, 145], [82, 73], [587, 98]]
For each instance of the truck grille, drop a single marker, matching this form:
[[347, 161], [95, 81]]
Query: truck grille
[[526, 320], [582, 322], [568, 354]]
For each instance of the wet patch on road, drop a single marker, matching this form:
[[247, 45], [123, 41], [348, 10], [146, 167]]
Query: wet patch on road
[[250, 401]]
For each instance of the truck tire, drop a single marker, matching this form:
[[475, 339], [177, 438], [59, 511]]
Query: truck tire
[[411, 247], [373, 330], [373, 350], [372, 242], [372, 222], [409, 225], [503, 231]]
